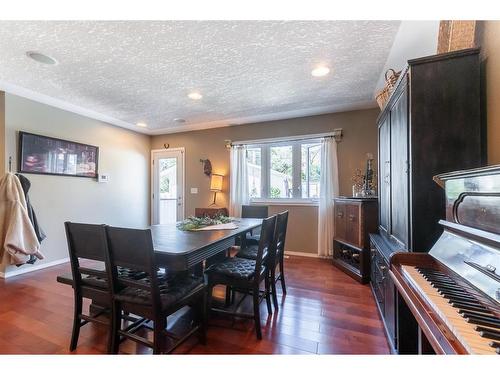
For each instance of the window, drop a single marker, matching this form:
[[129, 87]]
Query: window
[[281, 172], [284, 170], [310, 170], [254, 167]]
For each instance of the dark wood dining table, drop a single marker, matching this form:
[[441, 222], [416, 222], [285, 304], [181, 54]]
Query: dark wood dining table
[[180, 250]]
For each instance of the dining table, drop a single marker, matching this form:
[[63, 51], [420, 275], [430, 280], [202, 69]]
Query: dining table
[[182, 250]]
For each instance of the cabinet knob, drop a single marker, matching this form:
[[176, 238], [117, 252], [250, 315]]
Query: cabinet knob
[[340, 214], [351, 217]]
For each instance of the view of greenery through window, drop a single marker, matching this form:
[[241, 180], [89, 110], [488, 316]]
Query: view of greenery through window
[[284, 171], [310, 170], [254, 166], [281, 172], [168, 174]]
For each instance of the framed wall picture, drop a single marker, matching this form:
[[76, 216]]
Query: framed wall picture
[[46, 155]]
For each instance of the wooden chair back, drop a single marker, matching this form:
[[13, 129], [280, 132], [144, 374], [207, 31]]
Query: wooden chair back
[[280, 235], [265, 244], [255, 212], [133, 249], [85, 241]]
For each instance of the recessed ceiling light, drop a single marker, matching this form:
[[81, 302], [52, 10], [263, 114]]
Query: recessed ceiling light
[[41, 58], [195, 95], [142, 125], [320, 71], [179, 120]]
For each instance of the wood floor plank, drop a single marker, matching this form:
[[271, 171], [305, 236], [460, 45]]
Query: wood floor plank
[[324, 312]]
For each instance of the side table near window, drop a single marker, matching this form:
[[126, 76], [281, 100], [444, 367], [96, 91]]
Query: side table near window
[[211, 211], [355, 219]]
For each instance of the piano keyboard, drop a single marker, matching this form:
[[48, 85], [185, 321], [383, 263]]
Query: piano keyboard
[[477, 329]]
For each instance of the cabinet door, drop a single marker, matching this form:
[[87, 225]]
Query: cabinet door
[[340, 221], [352, 213], [399, 169], [384, 151]]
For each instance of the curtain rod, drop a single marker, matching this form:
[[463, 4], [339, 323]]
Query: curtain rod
[[337, 134]]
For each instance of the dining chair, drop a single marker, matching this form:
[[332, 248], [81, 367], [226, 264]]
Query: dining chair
[[276, 258], [254, 212], [154, 297], [87, 244], [245, 276]]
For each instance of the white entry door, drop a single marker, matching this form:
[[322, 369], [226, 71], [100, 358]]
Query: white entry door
[[167, 186]]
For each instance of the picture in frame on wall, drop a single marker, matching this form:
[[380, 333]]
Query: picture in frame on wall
[[40, 154]]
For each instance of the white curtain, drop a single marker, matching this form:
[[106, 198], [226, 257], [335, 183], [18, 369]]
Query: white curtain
[[239, 194], [328, 188]]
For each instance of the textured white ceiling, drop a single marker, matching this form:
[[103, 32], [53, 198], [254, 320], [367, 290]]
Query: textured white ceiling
[[141, 71]]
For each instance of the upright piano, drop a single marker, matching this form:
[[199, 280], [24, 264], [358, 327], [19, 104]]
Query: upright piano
[[449, 298]]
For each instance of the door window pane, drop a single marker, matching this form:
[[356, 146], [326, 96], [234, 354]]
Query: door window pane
[[280, 173], [254, 168], [310, 170], [168, 190]]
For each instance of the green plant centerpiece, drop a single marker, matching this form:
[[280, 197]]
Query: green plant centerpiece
[[194, 223]]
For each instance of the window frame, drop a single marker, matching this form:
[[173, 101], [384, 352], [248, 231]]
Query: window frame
[[265, 187]]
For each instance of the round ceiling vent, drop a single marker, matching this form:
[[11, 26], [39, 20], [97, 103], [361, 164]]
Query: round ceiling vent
[[41, 58]]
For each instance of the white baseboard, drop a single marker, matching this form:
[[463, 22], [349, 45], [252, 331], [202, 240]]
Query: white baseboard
[[30, 268], [301, 254]]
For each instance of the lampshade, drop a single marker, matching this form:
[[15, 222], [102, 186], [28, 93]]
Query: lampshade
[[216, 182]]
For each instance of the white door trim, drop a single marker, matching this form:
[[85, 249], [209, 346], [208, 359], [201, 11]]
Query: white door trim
[[183, 155]]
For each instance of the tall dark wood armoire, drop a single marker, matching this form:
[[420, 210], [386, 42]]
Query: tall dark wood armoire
[[430, 125]]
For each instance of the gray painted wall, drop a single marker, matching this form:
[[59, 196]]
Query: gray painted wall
[[123, 154]]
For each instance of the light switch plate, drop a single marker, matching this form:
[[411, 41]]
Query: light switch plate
[[103, 177], [194, 190]]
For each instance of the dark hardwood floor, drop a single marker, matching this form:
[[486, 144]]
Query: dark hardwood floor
[[324, 312]]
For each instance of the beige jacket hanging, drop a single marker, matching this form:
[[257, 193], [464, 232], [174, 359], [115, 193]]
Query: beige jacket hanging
[[17, 236]]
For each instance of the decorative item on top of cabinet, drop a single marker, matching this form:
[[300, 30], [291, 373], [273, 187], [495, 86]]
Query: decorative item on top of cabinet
[[355, 219]]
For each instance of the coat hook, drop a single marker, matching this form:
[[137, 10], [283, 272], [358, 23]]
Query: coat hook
[[166, 145]]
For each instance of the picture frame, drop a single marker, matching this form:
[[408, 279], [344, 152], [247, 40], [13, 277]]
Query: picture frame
[[40, 154]]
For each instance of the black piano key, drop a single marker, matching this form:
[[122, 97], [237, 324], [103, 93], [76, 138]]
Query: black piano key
[[468, 306], [457, 294], [488, 317], [458, 299], [443, 279], [436, 274], [488, 333], [486, 313], [444, 283], [454, 291], [483, 322], [429, 271], [440, 278], [495, 344], [448, 287]]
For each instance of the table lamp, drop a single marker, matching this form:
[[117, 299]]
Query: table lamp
[[215, 185]]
